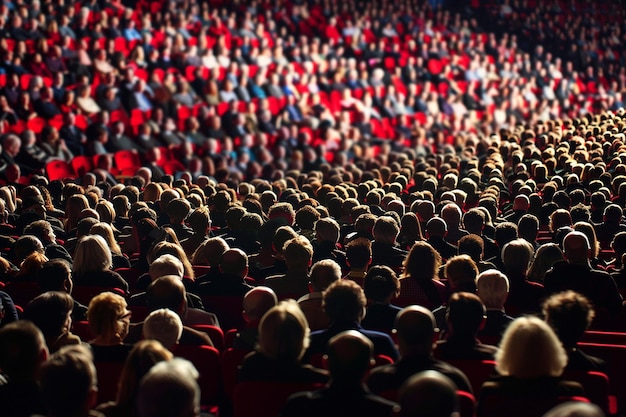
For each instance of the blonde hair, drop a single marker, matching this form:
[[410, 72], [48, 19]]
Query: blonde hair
[[284, 332], [530, 349], [163, 325], [92, 255], [103, 314], [106, 231], [493, 288]]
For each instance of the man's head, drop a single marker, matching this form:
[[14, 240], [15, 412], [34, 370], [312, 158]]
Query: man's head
[[466, 314], [576, 247], [493, 288], [68, 382], [416, 329], [386, 230], [167, 292], [166, 265], [165, 326], [344, 301], [427, 394], [359, 253], [257, 302], [235, 262], [349, 356], [569, 314], [324, 273], [170, 389], [298, 253], [22, 350], [516, 256]]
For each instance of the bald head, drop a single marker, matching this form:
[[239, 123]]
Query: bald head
[[427, 394], [349, 356], [577, 248], [416, 327], [167, 292], [235, 261], [257, 302]]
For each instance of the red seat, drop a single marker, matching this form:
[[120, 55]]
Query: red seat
[[139, 313], [614, 356], [476, 371], [84, 293], [215, 333], [82, 330], [206, 361], [22, 292], [172, 167], [265, 399], [58, 170], [127, 160], [227, 309], [109, 374], [229, 338], [130, 275], [82, 164], [596, 386], [36, 124], [230, 360], [606, 338]]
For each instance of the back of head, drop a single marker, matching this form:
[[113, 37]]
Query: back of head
[[298, 253], [530, 349], [68, 382], [436, 227], [492, 288], [427, 394], [324, 273], [257, 302], [344, 301], [170, 389], [381, 283], [163, 325], [386, 230], [461, 272], [472, 245], [50, 312], [505, 233], [284, 332], [516, 256], [569, 314], [22, 350], [166, 265], [166, 292], [416, 328], [359, 253], [235, 262], [466, 313], [55, 275], [575, 409], [576, 247], [349, 356]]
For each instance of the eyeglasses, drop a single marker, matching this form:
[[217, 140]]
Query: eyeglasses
[[126, 315]]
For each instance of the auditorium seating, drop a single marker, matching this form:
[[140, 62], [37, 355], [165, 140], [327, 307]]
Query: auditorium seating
[[264, 399]]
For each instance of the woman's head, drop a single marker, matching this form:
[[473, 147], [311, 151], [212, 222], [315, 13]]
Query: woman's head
[[108, 317], [144, 355], [92, 255], [381, 283], [106, 231], [530, 349], [284, 332], [422, 262], [546, 256]]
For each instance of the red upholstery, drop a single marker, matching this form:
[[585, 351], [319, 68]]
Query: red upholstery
[[596, 386], [228, 310], [607, 338], [476, 371], [22, 292], [82, 164], [83, 293], [615, 356], [215, 333], [230, 360], [82, 330], [265, 399], [108, 379], [58, 170], [519, 406], [206, 361]]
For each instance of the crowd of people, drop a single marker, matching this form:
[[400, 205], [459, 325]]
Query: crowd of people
[[360, 179]]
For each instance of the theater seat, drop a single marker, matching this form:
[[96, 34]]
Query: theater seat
[[265, 399], [58, 170], [206, 361], [215, 333]]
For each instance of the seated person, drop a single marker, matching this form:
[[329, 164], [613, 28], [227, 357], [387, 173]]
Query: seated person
[[570, 314], [344, 303], [22, 352], [109, 321], [530, 362], [170, 389], [323, 273], [428, 393], [68, 381], [283, 339], [163, 325], [381, 285], [415, 329], [256, 303], [466, 315], [349, 358], [52, 313], [493, 288]]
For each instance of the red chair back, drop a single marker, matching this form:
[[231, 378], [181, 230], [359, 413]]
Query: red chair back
[[596, 386], [614, 355], [58, 170], [84, 293], [228, 310], [265, 399], [519, 406], [82, 330], [215, 333], [476, 371], [206, 361], [230, 360], [22, 292], [109, 374]]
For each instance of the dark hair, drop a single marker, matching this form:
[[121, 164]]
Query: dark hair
[[381, 283]]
